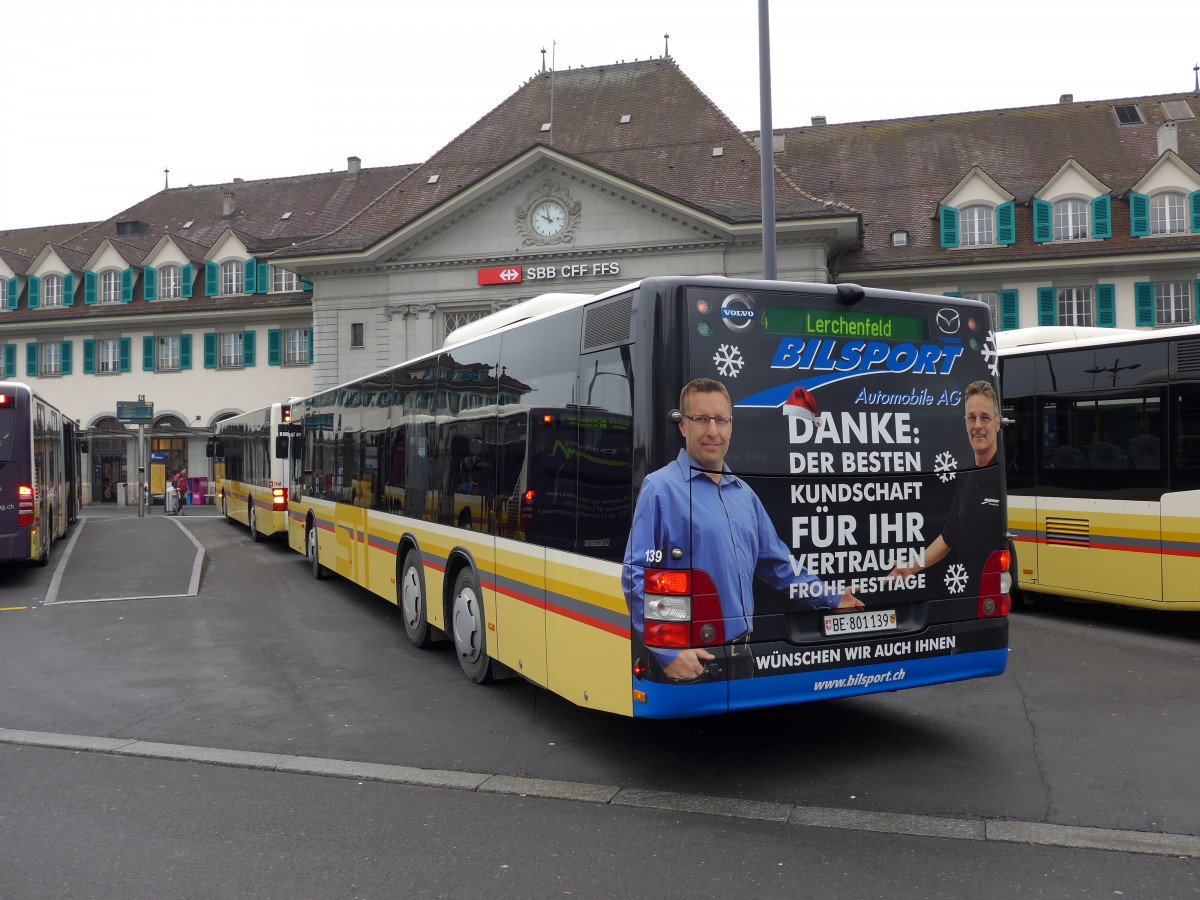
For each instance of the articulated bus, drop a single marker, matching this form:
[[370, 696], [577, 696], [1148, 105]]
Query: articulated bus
[[39, 475], [1103, 456], [250, 468], [491, 491]]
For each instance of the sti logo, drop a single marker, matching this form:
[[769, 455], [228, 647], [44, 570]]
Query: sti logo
[[737, 312]]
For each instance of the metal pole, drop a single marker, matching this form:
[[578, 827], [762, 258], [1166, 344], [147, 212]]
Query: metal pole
[[766, 140]]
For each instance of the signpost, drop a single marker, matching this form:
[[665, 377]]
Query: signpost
[[138, 412]]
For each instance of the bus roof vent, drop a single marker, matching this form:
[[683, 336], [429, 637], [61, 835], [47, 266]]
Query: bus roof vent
[[608, 323], [1187, 356]]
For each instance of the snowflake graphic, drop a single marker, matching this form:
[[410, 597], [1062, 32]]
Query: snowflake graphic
[[945, 465], [729, 360], [956, 578], [990, 356]]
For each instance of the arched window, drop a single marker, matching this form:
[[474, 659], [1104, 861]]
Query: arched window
[[52, 290], [1070, 220], [1168, 213], [169, 283], [110, 286], [231, 277], [976, 226]]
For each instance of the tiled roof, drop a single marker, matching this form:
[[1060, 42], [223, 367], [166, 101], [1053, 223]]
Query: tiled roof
[[667, 147], [73, 259], [897, 171], [81, 312], [316, 203], [15, 261], [30, 242]]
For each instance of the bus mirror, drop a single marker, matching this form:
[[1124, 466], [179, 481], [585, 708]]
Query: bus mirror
[[850, 294], [281, 446]]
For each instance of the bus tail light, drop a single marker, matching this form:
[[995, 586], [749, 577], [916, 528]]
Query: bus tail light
[[994, 601], [527, 511], [279, 498], [25, 506], [681, 609]]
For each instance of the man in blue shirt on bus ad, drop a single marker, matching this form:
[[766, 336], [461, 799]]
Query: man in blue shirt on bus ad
[[695, 504]]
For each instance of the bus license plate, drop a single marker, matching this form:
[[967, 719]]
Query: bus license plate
[[860, 622]]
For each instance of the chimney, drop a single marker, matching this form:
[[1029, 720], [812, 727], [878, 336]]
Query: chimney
[[227, 206], [1168, 138], [1066, 98], [818, 120], [353, 166]]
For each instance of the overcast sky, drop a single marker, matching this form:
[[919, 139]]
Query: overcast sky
[[99, 98]]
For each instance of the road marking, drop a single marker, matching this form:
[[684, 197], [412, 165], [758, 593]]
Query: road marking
[[12, 608], [1006, 831]]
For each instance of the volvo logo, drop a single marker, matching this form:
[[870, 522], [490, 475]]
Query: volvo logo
[[737, 312], [947, 320]]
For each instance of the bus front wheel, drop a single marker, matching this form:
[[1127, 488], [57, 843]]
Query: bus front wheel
[[412, 600], [312, 552], [469, 627]]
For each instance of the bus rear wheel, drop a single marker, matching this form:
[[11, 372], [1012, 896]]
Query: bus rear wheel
[[412, 600], [469, 627], [312, 552], [47, 540], [255, 534]]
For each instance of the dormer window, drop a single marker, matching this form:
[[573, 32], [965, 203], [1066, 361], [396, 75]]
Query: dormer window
[[52, 290], [899, 238], [976, 226], [169, 283], [283, 281], [231, 277], [110, 286], [1070, 220], [1168, 213]]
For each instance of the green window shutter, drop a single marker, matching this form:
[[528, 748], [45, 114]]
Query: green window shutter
[[1194, 203], [306, 284], [186, 276], [69, 289], [1106, 305], [150, 283], [1006, 224], [212, 275], [1102, 216], [126, 351], [89, 288], [1009, 310], [1139, 215], [1043, 221], [957, 294], [1143, 303], [13, 292], [274, 347], [1047, 306], [264, 278], [1196, 300], [31, 350], [147, 353], [185, 351], [126, 285], [249, 268], [948, 226], [247, 349], [210, 349], [10, 360], [65, 366], [310, 346], [34, 292], [89, 357]]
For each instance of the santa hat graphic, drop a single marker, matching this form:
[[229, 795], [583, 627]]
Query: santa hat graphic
[[803, 404]]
